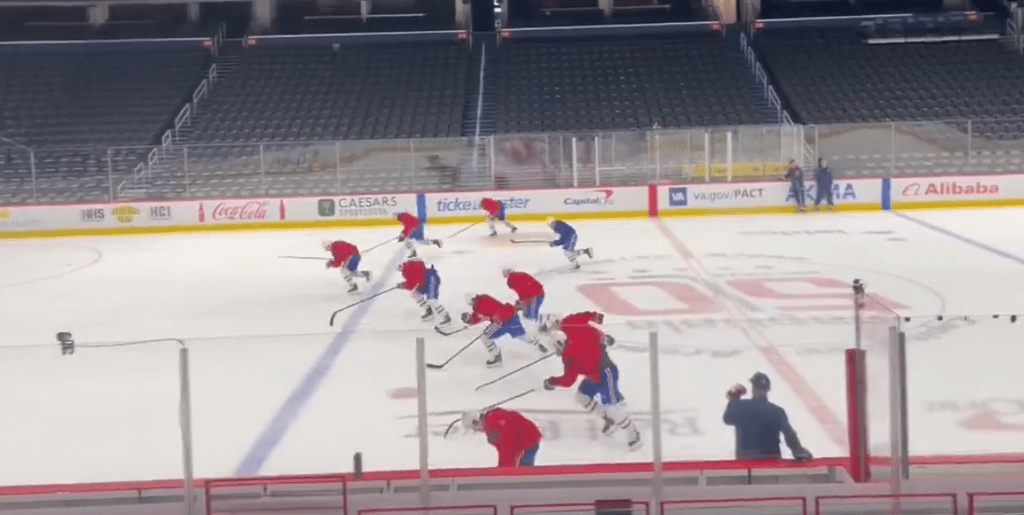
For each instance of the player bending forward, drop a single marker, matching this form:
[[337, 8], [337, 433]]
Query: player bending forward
[[425, 285], [504, 320], [584, 354], [515, 436], [345, 256], [567, 240], [552, 323], [495, 210], [412, 231], [529, 291]]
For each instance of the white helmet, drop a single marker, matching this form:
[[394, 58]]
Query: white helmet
[[471, 420], [550, 322], [550, 220], [559, 339], [470, 297], [327, 245], [505, 272]]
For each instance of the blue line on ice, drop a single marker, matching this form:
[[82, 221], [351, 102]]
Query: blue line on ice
[[289, 412]]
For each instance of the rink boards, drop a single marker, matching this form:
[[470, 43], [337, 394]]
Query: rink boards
[[660, 200]]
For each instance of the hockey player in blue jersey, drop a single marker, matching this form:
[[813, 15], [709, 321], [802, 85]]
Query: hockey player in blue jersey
[[567, 240]]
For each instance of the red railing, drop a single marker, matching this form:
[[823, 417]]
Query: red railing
[[256, 495], [988, 502], [933, 504], [588, 508], [769, 505]]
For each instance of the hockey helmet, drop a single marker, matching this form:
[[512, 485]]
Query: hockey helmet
[[470, 297], [505, 272], [550, 220], [559, 340], [327, 244], [471, 420], [550, 322]]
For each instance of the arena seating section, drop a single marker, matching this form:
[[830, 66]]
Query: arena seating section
[[625, 84], [835, 77], [71, 105]]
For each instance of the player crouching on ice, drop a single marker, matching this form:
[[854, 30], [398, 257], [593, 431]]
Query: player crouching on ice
[[567, 240], [412, 231], [504, 320], [425, 285], [345, 256], [495, 210], [515, 436], [529, 291], [583, 354]]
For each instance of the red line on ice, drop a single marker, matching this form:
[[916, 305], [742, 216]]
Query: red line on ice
[[830, 422]]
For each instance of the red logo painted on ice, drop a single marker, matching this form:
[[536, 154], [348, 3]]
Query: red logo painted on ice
[[251, 211], [927, 189]]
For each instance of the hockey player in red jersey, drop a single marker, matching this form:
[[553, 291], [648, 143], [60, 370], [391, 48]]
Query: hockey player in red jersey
[[583, 354], [551, 323], [345, 256], [515, 436], [529, 291], [425, 285], [412, 231], [495, 210], [504, 321]]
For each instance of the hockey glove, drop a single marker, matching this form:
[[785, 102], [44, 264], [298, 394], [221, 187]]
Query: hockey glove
[[401, 238], [549, 384], [737, 391], [553, 244], [400, 285], [329, 265], [802, 455]]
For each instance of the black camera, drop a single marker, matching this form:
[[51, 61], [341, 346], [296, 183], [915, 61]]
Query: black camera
[[67, 343]]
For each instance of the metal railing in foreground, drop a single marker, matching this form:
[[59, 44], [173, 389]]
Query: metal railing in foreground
[[508, 161]]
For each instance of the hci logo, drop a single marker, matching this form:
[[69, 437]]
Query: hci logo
[[677, 197]]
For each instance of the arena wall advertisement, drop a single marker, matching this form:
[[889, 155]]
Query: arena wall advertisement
[[538, 204], [462, 207]]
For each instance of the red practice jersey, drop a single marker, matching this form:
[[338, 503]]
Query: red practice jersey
[[525, 286], [409, 223], [511, 433], [492, 310], [491, 206], [583, 356], [415, 274], [580, 321], [341, 251]]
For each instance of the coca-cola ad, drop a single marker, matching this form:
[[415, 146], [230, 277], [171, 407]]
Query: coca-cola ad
[[241, 211]]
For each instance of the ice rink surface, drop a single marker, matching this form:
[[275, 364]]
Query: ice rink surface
[[276, 390]]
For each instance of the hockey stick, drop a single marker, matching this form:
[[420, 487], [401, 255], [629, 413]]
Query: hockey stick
[[520, 369], [492, 406], [513, 240], [433, 366], [464, 229], [302, 257], [379, 245], [335, 314], [442, 333]]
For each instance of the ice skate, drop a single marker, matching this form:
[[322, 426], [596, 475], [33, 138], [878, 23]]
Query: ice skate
[[609, 427], [366, 275], [575, 266], [412, 254], [634, 441], [427, 315], [353, 288], [494, 233], [589, 252], [494, 362], [446, 322], [437, 242], [514, 229]]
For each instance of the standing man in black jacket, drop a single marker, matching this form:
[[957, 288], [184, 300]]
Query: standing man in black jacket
[[759, 422], [823, 187]]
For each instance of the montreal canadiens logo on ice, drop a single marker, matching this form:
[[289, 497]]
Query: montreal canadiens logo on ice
[[596, 197]]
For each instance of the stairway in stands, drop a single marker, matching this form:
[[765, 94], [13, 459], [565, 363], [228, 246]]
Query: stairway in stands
[[478, 117], [758, 90]]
